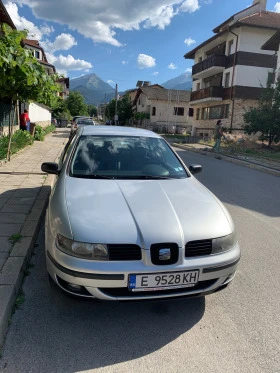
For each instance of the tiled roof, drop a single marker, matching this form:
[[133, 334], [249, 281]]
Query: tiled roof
[[262, 19], [166, 94], [4, 16], [33, 43]]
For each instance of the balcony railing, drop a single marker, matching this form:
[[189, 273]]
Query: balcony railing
[[209, 62], [209, 92]]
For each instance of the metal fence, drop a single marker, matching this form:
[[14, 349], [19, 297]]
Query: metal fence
[[6, 114]]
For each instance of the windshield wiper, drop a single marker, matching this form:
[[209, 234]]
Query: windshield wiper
[[153, 177], [94, 176]]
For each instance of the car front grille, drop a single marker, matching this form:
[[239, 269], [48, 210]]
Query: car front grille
[[157, 256], [125, 292], [119, 252], [198, 248]]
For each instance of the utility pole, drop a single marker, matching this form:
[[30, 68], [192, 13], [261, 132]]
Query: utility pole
[[116, 106]]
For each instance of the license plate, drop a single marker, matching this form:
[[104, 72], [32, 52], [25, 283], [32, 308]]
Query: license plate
[[162, 281]]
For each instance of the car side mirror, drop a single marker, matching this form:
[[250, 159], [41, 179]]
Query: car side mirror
[[50, 168], [195, 168]]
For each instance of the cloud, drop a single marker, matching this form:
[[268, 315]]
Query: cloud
[[189, 41], [68, 62], [172, 66], [190, 6], [145, 61], [62, 42], [155, 73], [161, 19], [22, 23], [277, 7], [100, 21], [188, 70], [124, 62], [110, 82]]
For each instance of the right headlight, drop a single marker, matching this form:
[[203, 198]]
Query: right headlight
[[93, 251], [222, 244]]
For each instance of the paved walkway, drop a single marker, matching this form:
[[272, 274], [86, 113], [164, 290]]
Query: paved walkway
[[24, 192]]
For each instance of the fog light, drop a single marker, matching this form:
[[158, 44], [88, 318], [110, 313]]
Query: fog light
[[75, 288]]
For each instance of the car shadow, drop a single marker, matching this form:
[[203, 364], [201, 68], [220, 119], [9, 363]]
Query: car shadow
[[63, 334]]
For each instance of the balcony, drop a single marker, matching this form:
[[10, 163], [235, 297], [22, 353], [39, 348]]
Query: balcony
[[212, 65], [208, 94]]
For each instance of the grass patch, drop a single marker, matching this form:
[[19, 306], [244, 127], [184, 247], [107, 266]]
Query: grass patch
[[19, 300], [15, 238], [20, 140]]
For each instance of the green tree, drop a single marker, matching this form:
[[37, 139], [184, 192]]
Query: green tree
[[76, 104], [92, 111], [110, 109], [124, 109], [22, 76], [60, 110], [265, 118]]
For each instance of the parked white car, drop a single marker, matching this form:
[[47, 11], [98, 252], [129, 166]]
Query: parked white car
[[127, 220]]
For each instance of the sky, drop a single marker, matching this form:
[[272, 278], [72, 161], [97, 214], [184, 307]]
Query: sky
[[123, 41]]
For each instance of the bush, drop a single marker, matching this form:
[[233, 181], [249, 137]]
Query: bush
[[40, 132], [20, 140]]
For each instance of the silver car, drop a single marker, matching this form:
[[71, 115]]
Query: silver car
[[127, 220]]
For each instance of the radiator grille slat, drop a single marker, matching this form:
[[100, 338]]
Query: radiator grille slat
[[198, 248], [119, 252]]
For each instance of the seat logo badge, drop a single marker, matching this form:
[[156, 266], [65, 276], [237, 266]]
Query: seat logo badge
[[164, 254]]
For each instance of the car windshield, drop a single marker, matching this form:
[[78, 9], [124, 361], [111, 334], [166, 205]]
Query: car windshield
[[121, 157], [85, 121]]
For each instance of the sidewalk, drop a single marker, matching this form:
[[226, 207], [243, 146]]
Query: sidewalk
[[264, 165], [24, 192]]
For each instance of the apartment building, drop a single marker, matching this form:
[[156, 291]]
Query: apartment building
[[231, 68]]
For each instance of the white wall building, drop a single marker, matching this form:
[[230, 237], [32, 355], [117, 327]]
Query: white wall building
[[231, 68], [165, 107]]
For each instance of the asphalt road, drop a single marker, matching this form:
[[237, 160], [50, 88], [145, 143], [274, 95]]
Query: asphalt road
[[236, 330]]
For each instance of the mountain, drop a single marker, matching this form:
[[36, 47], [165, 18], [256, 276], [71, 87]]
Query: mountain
[[183, 81], [93, 88], [96, 91]]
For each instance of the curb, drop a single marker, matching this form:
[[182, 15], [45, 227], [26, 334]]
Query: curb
[[12, 275], [240, 162]]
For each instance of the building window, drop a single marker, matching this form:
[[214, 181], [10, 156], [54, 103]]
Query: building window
[[205, 113], [216, 112], [191, 110], [230, 47], [37, 55], [153, 111], [178, 111], [226, 112], [197, 114], [197, 86], [200, 59], [227, 78], [139, 102]]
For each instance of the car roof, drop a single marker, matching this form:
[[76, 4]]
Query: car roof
[[117, 131]]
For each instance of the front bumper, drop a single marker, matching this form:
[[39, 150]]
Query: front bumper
[[214, 273]]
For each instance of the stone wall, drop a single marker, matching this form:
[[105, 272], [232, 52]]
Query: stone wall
[[206, 127]]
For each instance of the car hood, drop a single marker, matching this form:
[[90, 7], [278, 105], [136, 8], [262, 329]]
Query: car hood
[[144, 211]]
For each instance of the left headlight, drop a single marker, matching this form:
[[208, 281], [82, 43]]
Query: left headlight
[[222, 244], [93, 251]]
